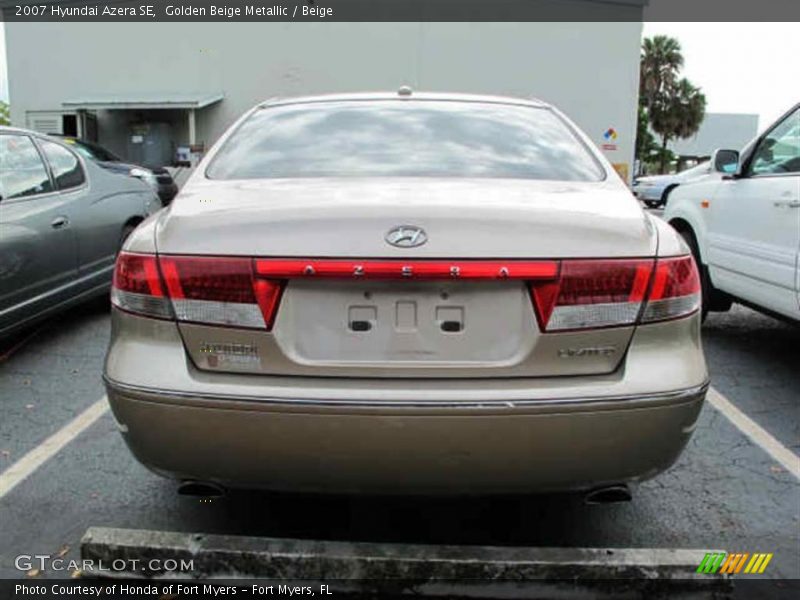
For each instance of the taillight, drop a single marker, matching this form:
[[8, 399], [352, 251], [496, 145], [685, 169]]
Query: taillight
[[676, 290], [137, 286], [406, 269], [218, 291], [567, 295], [593, 293], [613, 293]]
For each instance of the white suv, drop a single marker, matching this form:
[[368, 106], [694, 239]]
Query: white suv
[[744, 228]]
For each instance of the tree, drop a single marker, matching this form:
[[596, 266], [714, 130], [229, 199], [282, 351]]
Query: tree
[[677, 113], [645, 142], [660, 63], [671, 106], [5, 115]]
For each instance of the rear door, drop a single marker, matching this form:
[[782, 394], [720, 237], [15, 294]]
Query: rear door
[[37, 245], [99, 210], [755, 232]]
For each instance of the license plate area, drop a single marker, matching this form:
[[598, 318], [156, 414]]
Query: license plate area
[[436, 323]]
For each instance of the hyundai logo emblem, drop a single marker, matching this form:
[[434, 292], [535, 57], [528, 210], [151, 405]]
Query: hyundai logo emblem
[[406, 236]]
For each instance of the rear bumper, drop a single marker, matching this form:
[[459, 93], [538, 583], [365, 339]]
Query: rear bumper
[[468, 447], [412, 435]]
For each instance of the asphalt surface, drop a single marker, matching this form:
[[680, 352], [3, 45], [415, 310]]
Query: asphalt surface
[[724, 493]]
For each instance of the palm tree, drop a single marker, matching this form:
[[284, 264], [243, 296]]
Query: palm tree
[[677, 112], [658, 68]]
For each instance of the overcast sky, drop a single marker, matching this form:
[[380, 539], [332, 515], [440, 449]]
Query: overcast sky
[[742, 67]]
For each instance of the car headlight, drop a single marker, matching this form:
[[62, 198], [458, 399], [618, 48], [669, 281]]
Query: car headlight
[[147, 176]]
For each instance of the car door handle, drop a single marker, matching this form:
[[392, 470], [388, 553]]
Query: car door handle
[[787, 203], [59, 222]]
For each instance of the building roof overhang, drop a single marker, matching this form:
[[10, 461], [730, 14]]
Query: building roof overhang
[[133, 101]]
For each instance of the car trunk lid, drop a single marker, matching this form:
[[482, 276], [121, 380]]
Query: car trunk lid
[[389, 324]]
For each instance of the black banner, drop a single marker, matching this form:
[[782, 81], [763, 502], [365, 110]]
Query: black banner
[[400, 10], [128, 589]]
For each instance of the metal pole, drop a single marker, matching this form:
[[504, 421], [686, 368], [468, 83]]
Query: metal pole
[[192, 138]]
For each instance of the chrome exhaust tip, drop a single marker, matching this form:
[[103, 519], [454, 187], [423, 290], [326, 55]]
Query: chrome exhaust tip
[[612, 494], [201, 489]]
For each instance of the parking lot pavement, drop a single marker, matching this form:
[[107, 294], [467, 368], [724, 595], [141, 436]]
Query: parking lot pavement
[[754, 362], [52, 377], [725, 492]]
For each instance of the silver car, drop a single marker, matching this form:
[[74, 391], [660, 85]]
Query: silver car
[[62, 222], [654, 190], [406, 294]]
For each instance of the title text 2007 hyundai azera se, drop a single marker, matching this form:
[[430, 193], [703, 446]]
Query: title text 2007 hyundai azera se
[[406, 294]]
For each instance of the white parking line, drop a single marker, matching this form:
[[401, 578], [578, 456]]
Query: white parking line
[[50, 447], [755, 433]]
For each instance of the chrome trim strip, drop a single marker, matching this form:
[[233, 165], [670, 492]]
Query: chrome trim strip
[[675, 396]]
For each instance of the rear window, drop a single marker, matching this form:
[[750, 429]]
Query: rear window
[[405, 138], [92, 151]]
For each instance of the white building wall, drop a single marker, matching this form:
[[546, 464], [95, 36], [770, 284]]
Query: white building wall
[[718, 130], [589, 70]]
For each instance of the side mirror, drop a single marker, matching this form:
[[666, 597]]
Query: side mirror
[[725, 161]]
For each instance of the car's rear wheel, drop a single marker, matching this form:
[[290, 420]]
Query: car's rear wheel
[[651, 203]]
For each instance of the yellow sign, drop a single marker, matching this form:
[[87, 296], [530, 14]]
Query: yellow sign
[[623, 170]]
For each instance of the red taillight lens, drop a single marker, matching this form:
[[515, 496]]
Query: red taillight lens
[[221, 291], [406, 269], [593, 293], [567, 295], [137, 286], [138, 274], [676, 290], [208, 279], [612, 293]]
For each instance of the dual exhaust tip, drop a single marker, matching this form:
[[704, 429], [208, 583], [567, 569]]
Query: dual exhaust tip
[[612, 494]]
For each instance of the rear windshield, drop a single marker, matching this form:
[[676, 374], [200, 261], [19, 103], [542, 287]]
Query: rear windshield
[[92, 151], [405, 138]]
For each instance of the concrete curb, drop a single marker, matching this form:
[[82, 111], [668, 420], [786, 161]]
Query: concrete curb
[[434, 570]]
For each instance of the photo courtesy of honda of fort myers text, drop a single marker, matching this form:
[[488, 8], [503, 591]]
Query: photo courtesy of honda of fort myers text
[[335, 298]]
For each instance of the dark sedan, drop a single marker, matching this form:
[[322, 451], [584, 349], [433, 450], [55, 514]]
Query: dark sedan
[[63, 219], [158, 177]]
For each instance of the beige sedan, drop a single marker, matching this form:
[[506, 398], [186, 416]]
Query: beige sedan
[[406, 294]]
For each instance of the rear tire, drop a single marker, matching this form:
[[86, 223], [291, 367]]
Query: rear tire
[[651, 203]]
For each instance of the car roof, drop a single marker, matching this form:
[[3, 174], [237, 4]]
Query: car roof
[[8, 129], [404, 97]]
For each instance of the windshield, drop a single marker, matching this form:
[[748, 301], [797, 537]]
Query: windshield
[[405, 138]]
